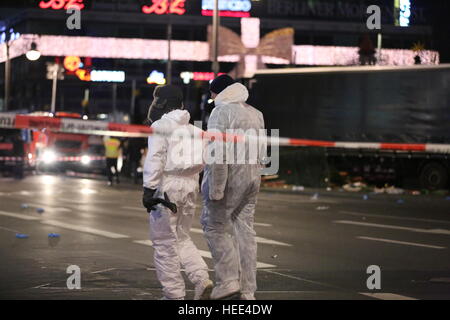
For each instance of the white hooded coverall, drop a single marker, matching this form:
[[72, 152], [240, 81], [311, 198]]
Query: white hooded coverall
[[172, 165], [229, 199]]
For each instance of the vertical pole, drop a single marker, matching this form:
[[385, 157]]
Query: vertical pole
[[380, 45], [215, 44], [114, 100], [7, 76], [169, 42], [133, 100], [54, 88]]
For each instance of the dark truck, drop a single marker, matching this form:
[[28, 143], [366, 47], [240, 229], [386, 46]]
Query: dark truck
[[406, 105]]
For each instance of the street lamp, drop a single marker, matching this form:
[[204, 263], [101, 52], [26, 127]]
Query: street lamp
[[215, 40], [33, 54]]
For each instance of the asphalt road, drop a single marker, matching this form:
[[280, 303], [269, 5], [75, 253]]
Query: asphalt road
[[308, 248]]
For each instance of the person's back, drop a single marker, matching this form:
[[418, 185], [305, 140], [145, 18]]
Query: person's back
[[171, 170], [112, 148], [229, 190], [233, 116]]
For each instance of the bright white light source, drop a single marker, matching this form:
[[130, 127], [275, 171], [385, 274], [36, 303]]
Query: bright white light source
[[49, 156], [85, 117], [85, 160], [30, 156], [107, 76], [33, 55], [156, 77], [405, 13]]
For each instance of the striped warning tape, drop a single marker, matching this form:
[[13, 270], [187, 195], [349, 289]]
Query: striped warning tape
[[11, 158], [90, 127]]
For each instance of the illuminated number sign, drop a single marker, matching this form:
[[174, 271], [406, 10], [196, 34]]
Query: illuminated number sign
[[228, 8], [61, 4], [162, 7], [403, 7]]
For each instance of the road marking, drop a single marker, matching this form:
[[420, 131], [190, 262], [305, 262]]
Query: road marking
[[18, 215], [402, 242], [144, 242], [105, 270], [42, 285], [258, 239], [387, 226], [302, 279], [387, 296], [98, 232], [259, 224], [259, 265], [392, 217]]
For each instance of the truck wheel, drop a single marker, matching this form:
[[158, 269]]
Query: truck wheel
[[434, 176]]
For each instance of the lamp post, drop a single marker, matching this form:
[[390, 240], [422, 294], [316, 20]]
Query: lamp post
[[169, 41], [215, 40], [7, 76], [33, 54]]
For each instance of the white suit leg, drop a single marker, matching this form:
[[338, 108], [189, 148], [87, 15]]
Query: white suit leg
[[163, 234], [244, 235], [216, 225], [191, 260]]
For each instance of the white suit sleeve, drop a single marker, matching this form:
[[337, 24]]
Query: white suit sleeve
[[218, 122], [155, 161]]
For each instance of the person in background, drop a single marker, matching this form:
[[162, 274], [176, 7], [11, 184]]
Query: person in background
[[112, 153]]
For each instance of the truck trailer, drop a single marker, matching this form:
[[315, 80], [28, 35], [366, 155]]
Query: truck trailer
[[400, 106]]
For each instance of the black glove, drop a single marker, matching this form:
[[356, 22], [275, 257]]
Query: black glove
[[148, 201]]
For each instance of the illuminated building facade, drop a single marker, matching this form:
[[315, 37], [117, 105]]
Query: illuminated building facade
[[129, 36]]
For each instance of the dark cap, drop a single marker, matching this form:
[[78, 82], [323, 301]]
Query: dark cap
[[166, 99], [220, 83]]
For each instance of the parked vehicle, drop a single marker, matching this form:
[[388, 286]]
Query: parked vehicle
[[406, 105]]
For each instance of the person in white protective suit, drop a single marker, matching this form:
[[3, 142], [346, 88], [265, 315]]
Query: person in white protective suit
[[172, 169], [229, 197]]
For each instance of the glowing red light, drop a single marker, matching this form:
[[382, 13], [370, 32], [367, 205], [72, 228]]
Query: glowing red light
[[161, 7], [61, 4], [234, 14], [204, 76]]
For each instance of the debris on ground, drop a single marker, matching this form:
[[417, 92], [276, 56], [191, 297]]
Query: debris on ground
[[298, 188], [21, 236], [321, 208], [354, 187], [53, 235], [274, 256], [315, 196], [394, 190], [365, 197], [24, 206], [40, 210]]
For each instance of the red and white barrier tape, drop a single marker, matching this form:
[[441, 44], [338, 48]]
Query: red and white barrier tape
[[13, 121], [11, 158]]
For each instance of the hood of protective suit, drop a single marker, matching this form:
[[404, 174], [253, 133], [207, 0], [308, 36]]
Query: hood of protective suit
[[181, 117], [235, 93]]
